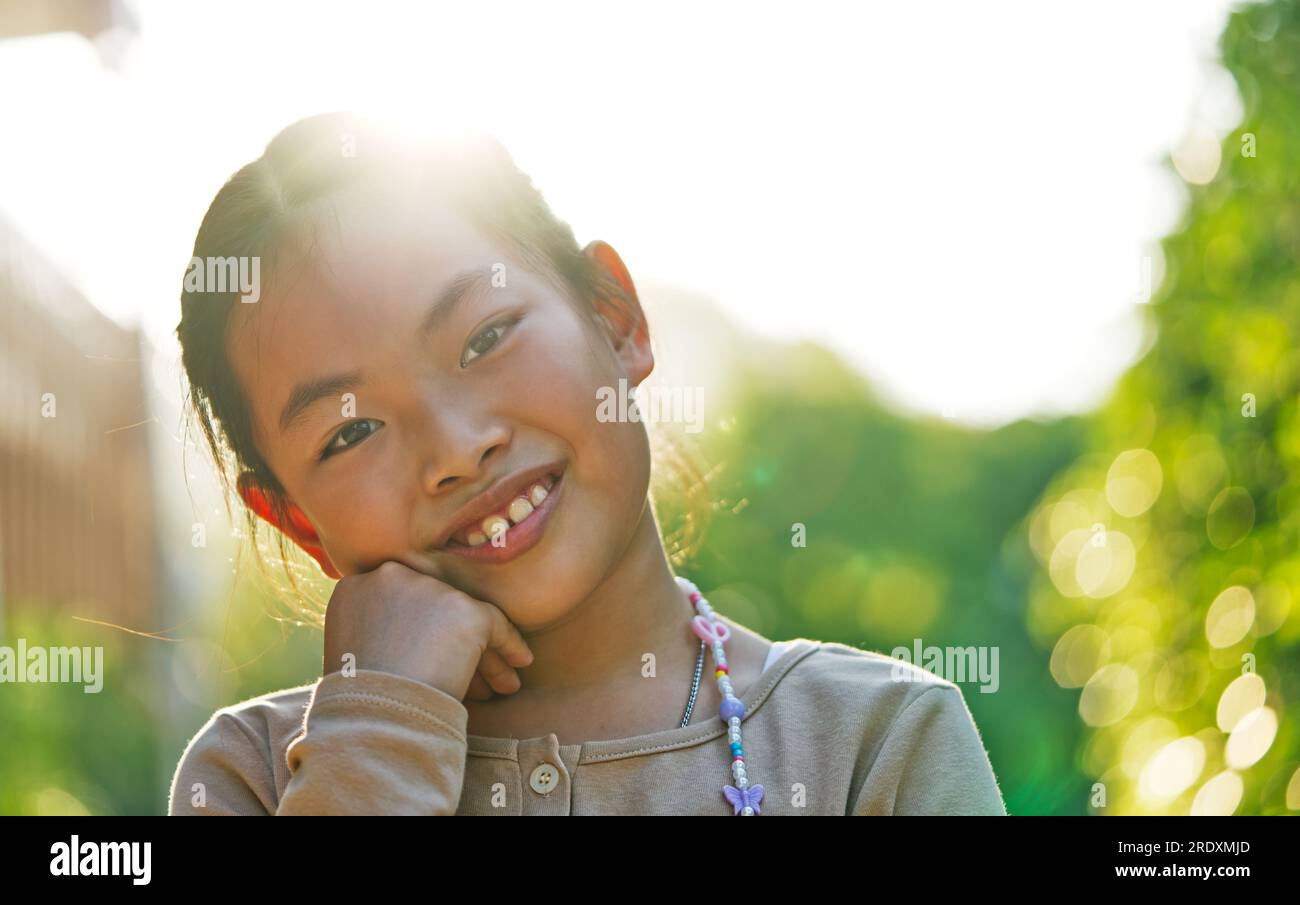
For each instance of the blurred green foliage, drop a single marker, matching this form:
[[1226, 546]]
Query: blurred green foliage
[[1168, 553], [910, 529], [66, 751]]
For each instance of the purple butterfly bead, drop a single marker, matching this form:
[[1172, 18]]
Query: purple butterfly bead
[[744, 798]]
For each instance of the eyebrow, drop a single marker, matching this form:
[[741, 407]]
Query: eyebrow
[[453, 296], [307, 394], [462, 287]]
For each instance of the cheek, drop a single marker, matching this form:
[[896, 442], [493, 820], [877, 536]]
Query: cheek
[[555, 388], [360, 517], [556, 379]]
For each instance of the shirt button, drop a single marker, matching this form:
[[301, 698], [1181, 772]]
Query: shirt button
[[544, 778]]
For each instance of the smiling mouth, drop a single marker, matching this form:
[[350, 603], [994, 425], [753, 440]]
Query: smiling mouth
[[518, 511]]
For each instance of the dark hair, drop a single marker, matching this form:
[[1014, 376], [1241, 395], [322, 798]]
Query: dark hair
[[265, 207]]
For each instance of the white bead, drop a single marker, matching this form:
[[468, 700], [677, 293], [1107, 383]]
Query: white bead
[[725, 687]]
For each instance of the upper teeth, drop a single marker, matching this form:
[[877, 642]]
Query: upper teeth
[[519, 509]]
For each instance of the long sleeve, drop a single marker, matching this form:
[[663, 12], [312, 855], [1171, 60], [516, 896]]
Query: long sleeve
[[374, 743], [931, 762]]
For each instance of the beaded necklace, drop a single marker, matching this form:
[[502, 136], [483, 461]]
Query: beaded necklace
[[742, 796]]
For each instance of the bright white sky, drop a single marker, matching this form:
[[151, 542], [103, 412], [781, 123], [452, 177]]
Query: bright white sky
[[956, 196]]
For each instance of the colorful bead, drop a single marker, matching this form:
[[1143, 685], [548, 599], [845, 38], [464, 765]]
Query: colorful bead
[[732, 706], [715, 633], [745, 799]]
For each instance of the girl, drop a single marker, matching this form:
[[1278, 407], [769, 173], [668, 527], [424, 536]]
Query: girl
[[411, 398]]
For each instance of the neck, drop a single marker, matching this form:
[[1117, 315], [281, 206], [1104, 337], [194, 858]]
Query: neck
[[637, 609]]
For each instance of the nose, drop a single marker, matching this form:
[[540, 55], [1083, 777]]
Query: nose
[[463, 446]]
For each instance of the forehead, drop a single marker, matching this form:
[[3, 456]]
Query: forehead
[[362, 251], [358, 267]]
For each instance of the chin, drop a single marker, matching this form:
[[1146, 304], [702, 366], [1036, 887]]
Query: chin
[[532, 609], [539, 597]]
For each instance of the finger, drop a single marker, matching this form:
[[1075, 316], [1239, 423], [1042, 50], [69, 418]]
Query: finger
[[498, 673], [478, 689], [505, 639]]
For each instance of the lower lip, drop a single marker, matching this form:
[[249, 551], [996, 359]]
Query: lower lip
[[519, 538]]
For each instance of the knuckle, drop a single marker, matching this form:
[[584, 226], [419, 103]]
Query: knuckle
[[447, 596], [388, 569]]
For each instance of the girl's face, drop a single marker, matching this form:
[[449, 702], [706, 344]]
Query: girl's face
[[393, 382]]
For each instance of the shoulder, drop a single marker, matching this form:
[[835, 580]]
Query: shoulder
[[871, 684], [917, 749], [237, 755], [856, 695], [267, 721]]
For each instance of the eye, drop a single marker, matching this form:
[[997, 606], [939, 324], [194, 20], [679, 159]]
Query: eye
[[346, 431], [483, 341]]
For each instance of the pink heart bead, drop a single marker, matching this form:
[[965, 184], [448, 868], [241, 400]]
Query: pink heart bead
[[710, 631]]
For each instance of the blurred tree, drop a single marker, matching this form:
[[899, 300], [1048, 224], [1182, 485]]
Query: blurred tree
[[1168, 552], [837, 519]]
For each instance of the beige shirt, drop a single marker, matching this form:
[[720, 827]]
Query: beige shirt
[[829, 729]]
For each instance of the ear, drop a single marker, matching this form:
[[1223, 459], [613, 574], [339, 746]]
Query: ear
[[624, 319], [299, 528]]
